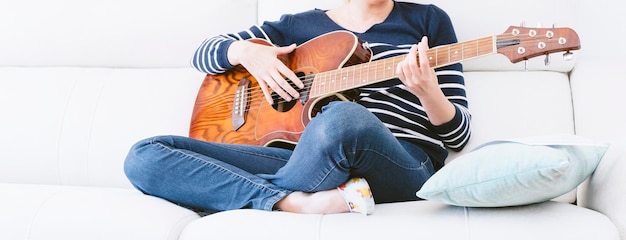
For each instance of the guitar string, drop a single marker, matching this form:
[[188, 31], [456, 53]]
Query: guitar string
[[255, 92], [377, 68]]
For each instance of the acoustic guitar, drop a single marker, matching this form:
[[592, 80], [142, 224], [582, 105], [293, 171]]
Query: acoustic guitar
[[231, 108]]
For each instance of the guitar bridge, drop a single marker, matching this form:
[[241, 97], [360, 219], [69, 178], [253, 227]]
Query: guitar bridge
[[240, 104]]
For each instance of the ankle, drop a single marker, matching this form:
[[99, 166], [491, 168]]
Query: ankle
[[324, 202]]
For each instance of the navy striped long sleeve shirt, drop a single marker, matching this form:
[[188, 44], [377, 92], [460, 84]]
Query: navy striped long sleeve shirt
[[399, 110]]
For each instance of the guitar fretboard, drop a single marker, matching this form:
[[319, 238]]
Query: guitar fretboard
[[384, 69]]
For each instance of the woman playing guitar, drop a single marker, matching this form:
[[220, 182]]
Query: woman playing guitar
[[380, 146]]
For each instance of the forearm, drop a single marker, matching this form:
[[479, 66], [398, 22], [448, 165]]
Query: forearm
[[438, 108]]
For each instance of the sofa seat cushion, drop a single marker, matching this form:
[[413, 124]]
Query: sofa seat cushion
[[411, 220], [64, 212]]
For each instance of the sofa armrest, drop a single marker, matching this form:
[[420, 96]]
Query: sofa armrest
[[599, 115], [605, 191]]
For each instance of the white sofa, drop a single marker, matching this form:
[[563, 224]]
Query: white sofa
[[81, 81]]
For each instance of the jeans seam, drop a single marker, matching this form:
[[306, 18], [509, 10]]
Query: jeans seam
[[251, 153], [327, 174], [265, 188], [421, 165]]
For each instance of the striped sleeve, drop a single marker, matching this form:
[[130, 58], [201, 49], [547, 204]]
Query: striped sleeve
[[211, 56], [456, 133]]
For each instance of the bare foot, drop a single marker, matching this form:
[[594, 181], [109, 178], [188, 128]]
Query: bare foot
[[324, 202]]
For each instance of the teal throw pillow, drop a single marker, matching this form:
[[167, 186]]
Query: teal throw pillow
[[515, 172]]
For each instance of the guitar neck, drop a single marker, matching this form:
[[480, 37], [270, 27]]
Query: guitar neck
[[360, 75]]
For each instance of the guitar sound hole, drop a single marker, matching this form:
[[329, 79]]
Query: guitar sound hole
[[281, 104]]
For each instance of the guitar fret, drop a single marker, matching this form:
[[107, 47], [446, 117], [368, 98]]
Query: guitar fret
[[476, 48], [315, 89], [319, 85], [361, 75], [356, 78], [375, 71], [454, 54], [462, 52], [350, 76], [363, 72], [333, 84], [355, 82], [436, 56], [345, 82], [325, 84]]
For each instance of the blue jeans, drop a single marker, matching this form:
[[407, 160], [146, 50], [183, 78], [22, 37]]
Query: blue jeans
[[344, 141]]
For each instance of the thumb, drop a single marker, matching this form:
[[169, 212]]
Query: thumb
[[287, 49]]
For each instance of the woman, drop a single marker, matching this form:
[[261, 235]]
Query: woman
[[388, 143]]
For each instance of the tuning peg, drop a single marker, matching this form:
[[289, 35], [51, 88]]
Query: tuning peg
[[525, 65], [568, 56], [546, 61]]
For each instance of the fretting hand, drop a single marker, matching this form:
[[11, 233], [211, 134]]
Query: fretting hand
[[418, 76], [421, 80]]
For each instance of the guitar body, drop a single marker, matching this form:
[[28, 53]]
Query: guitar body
[[231, 108]]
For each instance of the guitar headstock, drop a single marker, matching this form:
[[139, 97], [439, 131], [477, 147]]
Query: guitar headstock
[[522, 43]]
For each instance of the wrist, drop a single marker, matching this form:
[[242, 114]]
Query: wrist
[[438, 108], [235, 51]]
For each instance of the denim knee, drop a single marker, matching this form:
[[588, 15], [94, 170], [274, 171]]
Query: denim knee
[[137, 162], [350, 117]]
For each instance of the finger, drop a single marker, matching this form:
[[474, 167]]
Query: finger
[[400, 71], [288, 73], [408, 70], [403, 70], [284, 70], [412, 66], [266, 91], [291, 76], [286, 87], [404, 77], [280, 86], [412, 56], [285, 50], [422, 50]]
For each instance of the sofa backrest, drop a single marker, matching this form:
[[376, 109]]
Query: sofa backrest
[[79, 33], [115, 33], [81, 81]]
